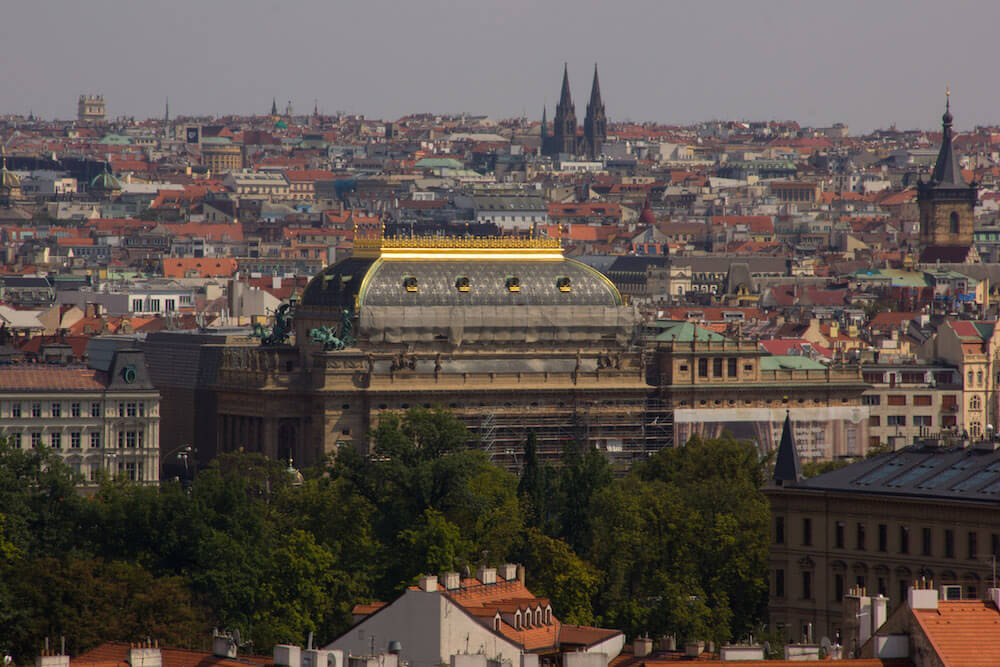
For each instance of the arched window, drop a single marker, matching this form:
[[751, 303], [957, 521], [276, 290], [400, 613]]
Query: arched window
[[979, 378], [975, 403], [970, 378]]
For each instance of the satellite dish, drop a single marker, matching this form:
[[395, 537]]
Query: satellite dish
[[236, 636]]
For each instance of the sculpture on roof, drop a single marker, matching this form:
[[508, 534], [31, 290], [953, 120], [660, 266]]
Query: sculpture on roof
[[282, 329], [326, 337], [335, 338]]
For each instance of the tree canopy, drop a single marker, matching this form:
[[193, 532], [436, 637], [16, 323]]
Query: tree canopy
[[678, 545]]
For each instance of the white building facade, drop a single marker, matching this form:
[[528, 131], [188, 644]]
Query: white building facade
[[94, 420]]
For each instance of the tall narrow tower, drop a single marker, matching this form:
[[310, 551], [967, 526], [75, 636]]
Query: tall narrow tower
[[947, 204], [595, 123], [564, 128]]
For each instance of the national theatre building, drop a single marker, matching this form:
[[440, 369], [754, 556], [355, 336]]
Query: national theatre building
[[507, 333]]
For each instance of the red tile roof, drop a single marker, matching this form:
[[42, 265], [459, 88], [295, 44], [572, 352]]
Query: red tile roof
[[43, 377], [116, 653], [963, 632], [204, 267]]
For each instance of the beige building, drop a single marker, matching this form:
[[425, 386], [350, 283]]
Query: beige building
[[508, 334], [104, 418], [257, 185], [974, 349], [908, 402], [90, 109], [221, 156], [922, 512], [714, 385]]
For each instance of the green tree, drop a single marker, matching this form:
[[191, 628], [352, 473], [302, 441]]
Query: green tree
[[90, 601], [584, 473], [555, 572]]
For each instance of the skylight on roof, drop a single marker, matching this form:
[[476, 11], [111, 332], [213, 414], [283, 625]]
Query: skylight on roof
[[914, 474], [980, 478], [880, 473], [946, 476]]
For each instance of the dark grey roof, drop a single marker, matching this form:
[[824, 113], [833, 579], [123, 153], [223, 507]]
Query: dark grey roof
[[947, 173], [487, 280], [786, 466], [636, 263], [24, 282], [918, 471], [337, 285]]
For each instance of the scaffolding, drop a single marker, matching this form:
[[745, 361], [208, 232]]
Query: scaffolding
[[626, 431]]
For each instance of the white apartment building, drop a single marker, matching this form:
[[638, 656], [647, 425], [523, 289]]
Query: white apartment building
[[94, 419], [257, 185]]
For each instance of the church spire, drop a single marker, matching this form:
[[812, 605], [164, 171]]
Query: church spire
[[274, 106], [595, 91], [565, 99], [947, 172], [786, 466], [545, 122]]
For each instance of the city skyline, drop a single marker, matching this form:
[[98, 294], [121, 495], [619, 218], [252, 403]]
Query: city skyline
[[888, 64]]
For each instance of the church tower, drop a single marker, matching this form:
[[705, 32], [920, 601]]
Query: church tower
[[595, 123], [947, 204], [564, 127]]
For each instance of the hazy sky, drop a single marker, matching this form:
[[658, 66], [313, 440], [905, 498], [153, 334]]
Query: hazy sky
[[869, 63]]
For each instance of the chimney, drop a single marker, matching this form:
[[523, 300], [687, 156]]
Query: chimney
[[993, 595], [276, 282], [486, 575], [223, 646], [287, 655], [642, 647], [922, 595], [880, 604], [428, 583], [856, 623], [508, 572], [145, 655], [452, 580]]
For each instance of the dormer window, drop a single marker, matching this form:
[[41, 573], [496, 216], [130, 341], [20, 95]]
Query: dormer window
[[548, 615], [564, 284], [517, 619], [513, 284], [410, 283], [538, 616], [462, 283], [496, 623]]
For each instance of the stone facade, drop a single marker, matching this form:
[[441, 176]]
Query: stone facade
[[93, 420]]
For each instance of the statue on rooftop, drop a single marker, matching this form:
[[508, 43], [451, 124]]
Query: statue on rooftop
[[282, 329]]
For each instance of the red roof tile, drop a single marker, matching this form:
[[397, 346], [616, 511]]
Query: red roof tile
[[963, 633], [42, 377], [116, 653]]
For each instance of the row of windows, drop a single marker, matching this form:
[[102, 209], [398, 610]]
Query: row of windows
[[57, 410], [897, 400], [169, 305], [882, 539], [54, 409], [54, 440], [900, 420], [74, 440], [730, 364], [839, 589]]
